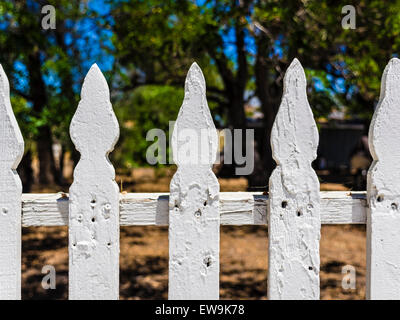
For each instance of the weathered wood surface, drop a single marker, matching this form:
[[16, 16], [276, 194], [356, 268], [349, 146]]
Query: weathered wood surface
[[294, 219], [383, 220], [94, 196], [11, 151], [236, 208], [194, 220]]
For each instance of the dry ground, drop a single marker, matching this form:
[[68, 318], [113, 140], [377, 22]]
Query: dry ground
[[144, 254]]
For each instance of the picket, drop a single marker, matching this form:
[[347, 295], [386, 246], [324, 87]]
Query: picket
[[194, 219], [383, 220], [11, 151], [94, 196], [294, 220]]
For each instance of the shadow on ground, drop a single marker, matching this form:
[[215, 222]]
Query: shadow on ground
[[144, 262]]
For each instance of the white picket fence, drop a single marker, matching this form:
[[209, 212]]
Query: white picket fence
[[195, 209]]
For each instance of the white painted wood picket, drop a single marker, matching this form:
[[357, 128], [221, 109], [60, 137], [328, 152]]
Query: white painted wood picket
[[294, 218], [11, 151], [195, 209], [383, 223], [93, 196], [194, 199]]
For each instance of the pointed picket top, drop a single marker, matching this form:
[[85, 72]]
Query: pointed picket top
[[383, 221], [94, 119], [294, 220], [94, 196], [294, 131], [195, 123], [194, 219], [11, 152]]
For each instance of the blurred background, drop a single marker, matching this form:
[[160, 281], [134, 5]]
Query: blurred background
[[144, 49]]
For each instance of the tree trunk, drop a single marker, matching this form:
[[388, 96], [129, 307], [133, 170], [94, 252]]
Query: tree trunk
[[269, 94], [47, 169], [234, 87], [25, 172], [68, 91]]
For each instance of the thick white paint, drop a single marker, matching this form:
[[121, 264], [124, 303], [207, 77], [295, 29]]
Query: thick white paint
[[11, 151], [194, 219], [383, 220], [151, 209], [294, 220], [94, 196]]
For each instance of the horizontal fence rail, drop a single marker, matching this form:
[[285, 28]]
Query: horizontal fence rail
[[194, 210], [151, 209]]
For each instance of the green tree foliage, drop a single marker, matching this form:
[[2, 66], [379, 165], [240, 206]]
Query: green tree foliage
[[145, 108]]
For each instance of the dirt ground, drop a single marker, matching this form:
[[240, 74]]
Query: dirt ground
[[144, 253]]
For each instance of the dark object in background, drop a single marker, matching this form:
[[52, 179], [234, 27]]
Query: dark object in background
[[25, 172], [360, 162], [337, 141], [343, 153]]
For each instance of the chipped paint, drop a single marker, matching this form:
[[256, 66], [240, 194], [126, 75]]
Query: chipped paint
[[294, 220], [11, 151], [94, 196], [194, 201], [383, 191]]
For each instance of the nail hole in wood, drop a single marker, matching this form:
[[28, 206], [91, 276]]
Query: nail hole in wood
[[380, 198], [207, 261], [310, 268], [394, 206], [298, 213], [284, 204]]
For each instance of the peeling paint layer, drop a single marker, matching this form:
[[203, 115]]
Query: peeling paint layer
[[294, 220], [94, 196], [383, 191], [194, 219], [11, 151]]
